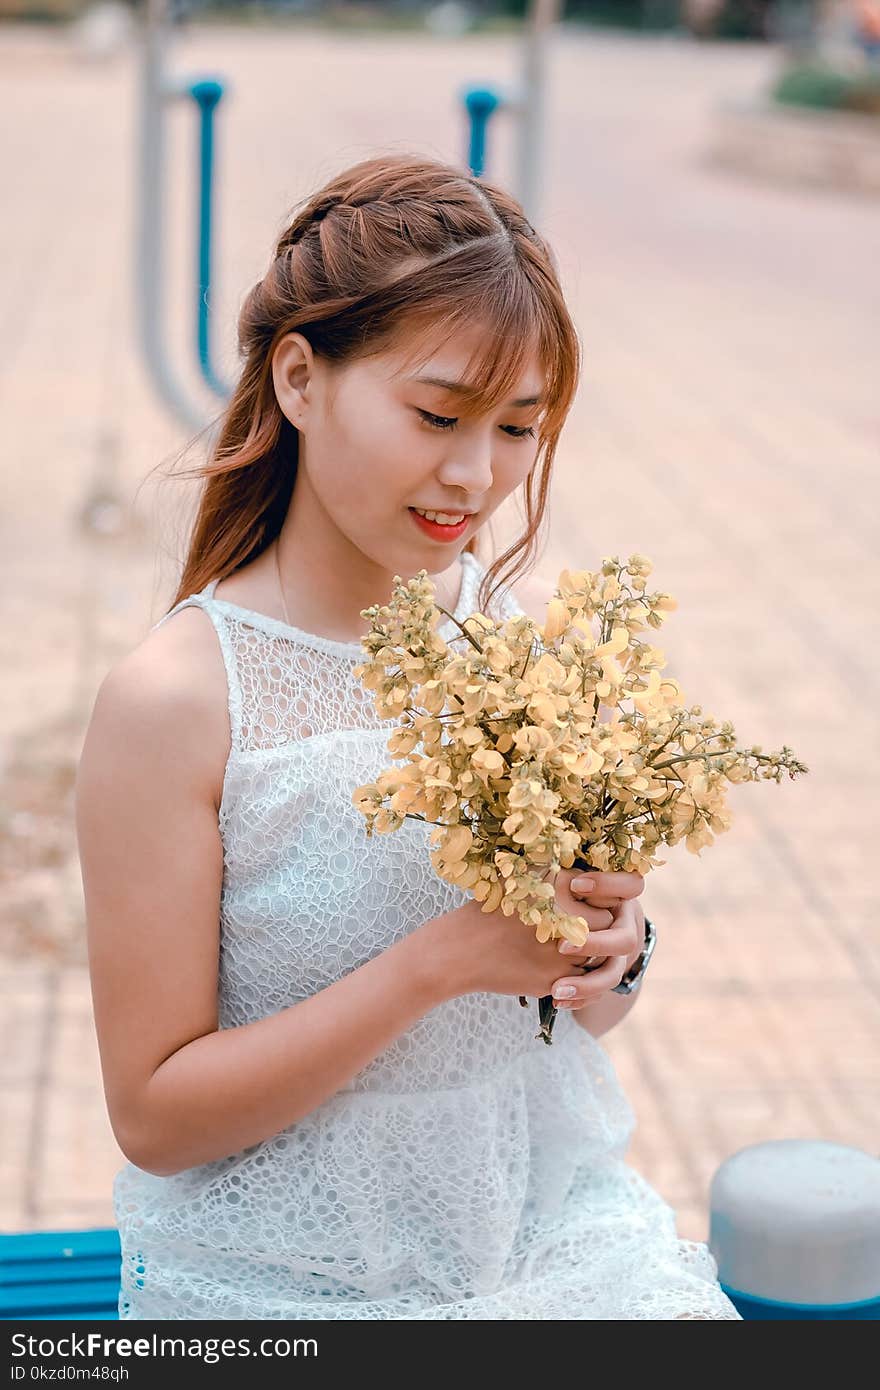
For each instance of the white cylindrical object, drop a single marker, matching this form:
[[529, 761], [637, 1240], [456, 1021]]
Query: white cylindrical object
[[798, 1221]]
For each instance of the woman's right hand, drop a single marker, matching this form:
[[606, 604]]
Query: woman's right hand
[[476, 951]]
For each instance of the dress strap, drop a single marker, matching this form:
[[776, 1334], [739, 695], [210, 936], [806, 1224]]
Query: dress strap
[[205, 601]]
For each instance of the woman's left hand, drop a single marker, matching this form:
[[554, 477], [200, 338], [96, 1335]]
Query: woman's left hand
[[618, 893]]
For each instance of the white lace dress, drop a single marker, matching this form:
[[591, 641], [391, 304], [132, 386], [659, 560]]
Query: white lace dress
[[469, 1171]]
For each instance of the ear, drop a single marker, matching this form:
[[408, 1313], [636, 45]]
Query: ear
[[293, 367]]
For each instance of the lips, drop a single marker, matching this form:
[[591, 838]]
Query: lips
[[436, 530]]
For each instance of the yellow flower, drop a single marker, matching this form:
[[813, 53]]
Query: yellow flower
[[403, 741], [493, 897], [557, 620], [457, 842], [523, 755]]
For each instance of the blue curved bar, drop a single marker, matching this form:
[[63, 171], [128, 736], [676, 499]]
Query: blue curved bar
[[207, 93]]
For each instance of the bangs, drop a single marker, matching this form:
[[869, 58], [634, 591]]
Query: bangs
[[515, 326]]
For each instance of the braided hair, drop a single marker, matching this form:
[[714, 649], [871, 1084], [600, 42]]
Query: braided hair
[[394, 245]]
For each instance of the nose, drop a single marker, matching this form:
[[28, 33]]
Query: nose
[[470, 467]]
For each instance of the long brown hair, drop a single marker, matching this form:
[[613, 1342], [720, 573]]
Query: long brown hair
[[393, 243]]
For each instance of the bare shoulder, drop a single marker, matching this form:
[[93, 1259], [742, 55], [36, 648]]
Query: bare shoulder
[[167, 700], [148, 787]]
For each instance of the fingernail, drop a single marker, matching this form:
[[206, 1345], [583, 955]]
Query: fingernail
[[583, 885], [568, 948], [564, 992]]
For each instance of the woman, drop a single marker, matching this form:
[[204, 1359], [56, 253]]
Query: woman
[[313, 1052]]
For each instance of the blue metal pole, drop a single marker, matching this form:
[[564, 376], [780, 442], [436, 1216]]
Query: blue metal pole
[[479, 102], [207, 94]]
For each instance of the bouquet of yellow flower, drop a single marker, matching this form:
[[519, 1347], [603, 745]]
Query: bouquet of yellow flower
[[535, 748]]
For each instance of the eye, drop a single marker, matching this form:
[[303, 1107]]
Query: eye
[[445, 422], [439, 422]]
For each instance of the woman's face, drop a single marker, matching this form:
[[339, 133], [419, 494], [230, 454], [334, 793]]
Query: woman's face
[[377, 439]]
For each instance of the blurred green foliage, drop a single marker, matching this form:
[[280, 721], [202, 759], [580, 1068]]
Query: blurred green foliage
[[625, 14], [818, 85]]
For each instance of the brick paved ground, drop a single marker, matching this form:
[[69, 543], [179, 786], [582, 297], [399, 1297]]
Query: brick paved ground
[[727, 426]]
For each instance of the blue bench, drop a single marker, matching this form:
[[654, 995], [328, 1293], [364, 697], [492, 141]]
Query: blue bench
[[60, 1274]]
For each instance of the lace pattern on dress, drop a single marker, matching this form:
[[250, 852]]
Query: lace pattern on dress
[[286, 685], [467, 1171]]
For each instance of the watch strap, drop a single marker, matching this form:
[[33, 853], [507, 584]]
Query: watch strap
[[633, 977]]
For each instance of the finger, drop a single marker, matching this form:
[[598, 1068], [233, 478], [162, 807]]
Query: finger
[[607, 883], [620, 938], [614, 941], [596, 918], [574, 991]]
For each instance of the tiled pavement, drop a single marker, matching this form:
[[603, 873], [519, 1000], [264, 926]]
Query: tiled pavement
[[727, 426]]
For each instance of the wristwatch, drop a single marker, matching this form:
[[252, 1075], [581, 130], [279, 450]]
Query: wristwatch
[[633, 977]]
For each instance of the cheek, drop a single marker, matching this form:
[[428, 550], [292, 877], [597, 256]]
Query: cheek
[[513, 467], [373, 467]]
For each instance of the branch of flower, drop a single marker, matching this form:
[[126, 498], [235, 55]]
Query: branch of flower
[[687, 758], [716, 733], [414, 709], [666, 741], [461, 627]]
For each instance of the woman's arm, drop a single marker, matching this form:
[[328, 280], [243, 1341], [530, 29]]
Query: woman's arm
[[179, 1091]]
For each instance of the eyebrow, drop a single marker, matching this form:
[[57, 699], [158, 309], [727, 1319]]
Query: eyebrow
[[463, 387]]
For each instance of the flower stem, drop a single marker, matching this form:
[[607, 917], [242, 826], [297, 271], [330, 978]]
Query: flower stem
[[460, 626], [547, 1009]]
